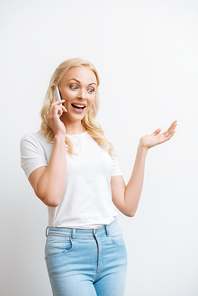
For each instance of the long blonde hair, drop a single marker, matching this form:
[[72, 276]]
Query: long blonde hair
[[88, 122]]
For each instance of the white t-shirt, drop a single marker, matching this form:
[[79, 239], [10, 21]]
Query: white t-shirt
[[87, 199]]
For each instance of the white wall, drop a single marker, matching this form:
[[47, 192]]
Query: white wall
[[146, 53]]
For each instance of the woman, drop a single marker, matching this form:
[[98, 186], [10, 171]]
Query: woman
[[72, 167]]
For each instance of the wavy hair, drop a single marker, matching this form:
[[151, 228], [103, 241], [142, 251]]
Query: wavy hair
[[88, 122]]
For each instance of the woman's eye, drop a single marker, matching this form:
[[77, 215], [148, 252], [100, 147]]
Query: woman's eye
[[90, 90], [73, 86]]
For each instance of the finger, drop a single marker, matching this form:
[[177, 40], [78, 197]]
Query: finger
[[64, 109], [54, 109], [169, 136], [57, 102], [60, 112], [170, 129], [53, 102], [57, 109], [173, 125], [156, 132], [60, 101], [61, 109]]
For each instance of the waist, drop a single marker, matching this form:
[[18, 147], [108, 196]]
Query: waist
[[85, 233]]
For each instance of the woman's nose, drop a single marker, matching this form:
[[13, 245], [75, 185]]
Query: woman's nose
[[81, 94]]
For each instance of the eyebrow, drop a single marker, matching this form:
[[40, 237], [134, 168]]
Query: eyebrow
[[79, 81]]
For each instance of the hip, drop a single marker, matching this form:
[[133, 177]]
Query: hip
[[73, 245]]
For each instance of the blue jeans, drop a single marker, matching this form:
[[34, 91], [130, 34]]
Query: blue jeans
[[86, 262]]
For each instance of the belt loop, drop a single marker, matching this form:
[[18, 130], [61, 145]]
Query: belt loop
[[107, 230], [46, 231], [73, 233]]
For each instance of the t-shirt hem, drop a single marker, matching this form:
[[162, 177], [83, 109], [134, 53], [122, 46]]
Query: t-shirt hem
[[90, 226]]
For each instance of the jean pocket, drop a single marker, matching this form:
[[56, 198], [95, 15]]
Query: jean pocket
[[56, 246], [117, 237]]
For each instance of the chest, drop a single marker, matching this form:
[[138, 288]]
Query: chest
[[89, 159]]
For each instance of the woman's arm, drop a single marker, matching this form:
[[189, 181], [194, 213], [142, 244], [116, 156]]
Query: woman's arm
[[48, 182], [126, 198]]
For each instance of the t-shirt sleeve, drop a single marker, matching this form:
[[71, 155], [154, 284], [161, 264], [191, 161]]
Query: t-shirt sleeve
[[116, 168], [32, 154]]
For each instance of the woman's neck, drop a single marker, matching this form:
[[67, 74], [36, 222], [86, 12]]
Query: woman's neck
[[74, 128]]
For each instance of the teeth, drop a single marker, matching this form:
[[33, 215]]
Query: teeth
[[79, 106]]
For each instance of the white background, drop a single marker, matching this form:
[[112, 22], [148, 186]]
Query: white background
[[146, 53]]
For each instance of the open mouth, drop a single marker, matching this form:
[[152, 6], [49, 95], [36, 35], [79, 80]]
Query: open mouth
[[78, 106]]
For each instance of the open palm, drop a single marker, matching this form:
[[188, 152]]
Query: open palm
[[157, 137]]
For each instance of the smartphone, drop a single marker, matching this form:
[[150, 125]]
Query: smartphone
[[57, 96], [57, 93]]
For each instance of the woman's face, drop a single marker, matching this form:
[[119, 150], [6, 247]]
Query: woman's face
[[78, 88]]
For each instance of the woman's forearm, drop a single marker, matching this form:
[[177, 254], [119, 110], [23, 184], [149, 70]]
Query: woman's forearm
[[51, 184], [134, 187]]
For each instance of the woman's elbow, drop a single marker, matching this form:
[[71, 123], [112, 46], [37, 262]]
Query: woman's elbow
[[50, 200], [51, 203], [129, 214]]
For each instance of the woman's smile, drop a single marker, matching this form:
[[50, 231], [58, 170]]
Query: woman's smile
[[79, 108]]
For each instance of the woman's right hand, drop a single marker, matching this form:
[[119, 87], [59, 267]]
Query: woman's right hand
[[53, 117]]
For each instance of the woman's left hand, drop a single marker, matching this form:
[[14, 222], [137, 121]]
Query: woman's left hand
[[157, 138]]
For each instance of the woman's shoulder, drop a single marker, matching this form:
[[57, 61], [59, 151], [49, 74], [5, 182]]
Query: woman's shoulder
[[34, 138]]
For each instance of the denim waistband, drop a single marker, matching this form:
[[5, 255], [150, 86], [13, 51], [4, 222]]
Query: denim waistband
[[85, 233]]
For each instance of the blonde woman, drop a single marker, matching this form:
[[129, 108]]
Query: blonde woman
[[72, 167]]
